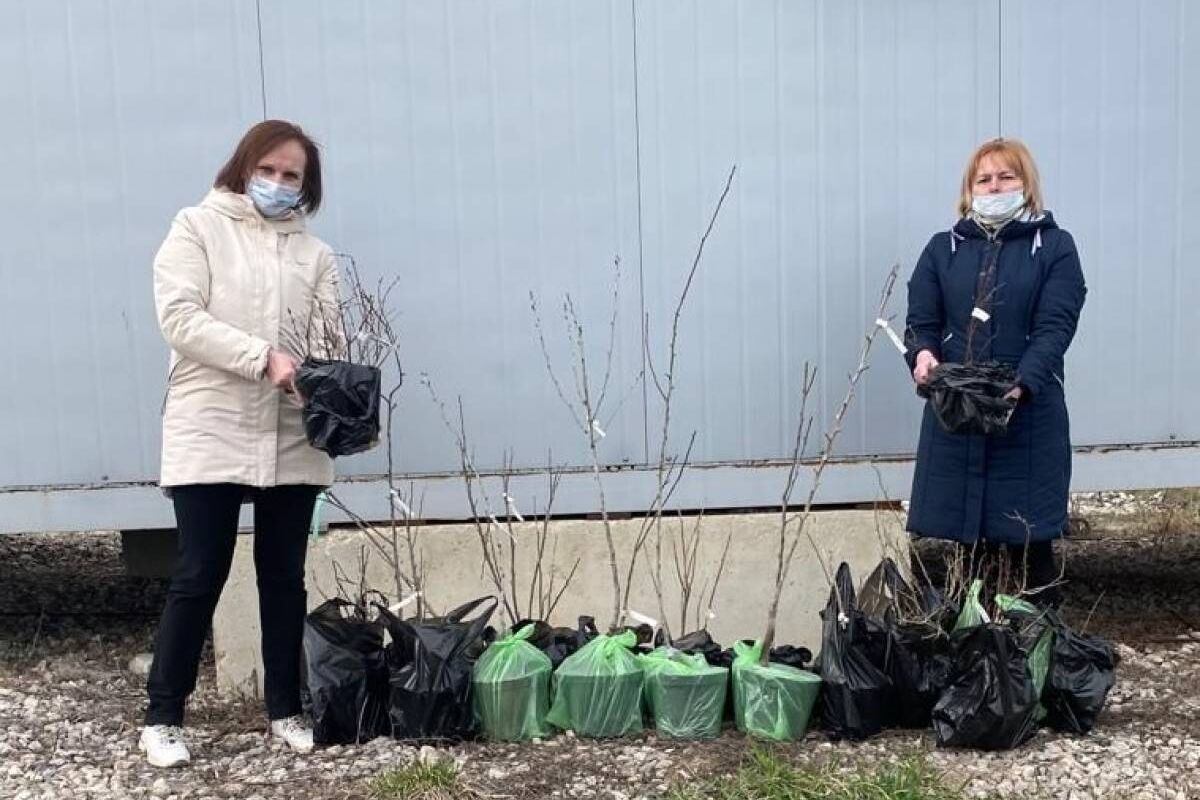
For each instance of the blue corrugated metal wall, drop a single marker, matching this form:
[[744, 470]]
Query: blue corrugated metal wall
[[484, 149]]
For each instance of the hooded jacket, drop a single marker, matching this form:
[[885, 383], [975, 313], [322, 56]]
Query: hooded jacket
[[230, 284]]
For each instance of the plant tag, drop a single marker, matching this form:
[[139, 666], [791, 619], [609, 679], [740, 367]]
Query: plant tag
[[979, 314], [512, 506], [895, 337], [400, 505], [395, 607]]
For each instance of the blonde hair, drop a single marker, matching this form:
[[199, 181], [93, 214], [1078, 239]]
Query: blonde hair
[[1018, 158]]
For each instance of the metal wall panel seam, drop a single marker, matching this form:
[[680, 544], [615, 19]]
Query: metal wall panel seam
[[641, 265], [262, 69], [1138, 194], [821, 284], [864, 391], [1000, 68], [781, 391], [138, 360], [744, 374], [1175, 425]]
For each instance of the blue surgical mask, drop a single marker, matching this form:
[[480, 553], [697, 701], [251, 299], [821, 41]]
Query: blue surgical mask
[[995, 208], [272, 199]]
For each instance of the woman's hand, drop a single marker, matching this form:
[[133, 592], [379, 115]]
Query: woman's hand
[[925, 365], [281, 370], [1014, 393]]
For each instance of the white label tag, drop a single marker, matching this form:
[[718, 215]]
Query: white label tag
[[641, 618], [896, 340], [512, 506], [979, 314], [395, 607]]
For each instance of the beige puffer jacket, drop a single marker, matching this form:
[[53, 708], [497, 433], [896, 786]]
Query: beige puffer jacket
[[229, 284]]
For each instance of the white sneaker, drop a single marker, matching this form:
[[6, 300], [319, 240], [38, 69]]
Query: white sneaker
[[295, 732], [164, 746]]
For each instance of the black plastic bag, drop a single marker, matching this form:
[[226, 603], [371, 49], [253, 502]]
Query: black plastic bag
[[347, 676], [648, 636], [341, 405], [915, 653], [1082, 671], [558, 643], [429, 672], [856, 698], [700, 642], [792, 656], [919, 666], [990, 702], [970, 398]]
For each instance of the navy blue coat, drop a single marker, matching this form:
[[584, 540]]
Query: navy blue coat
[[1012, 487]]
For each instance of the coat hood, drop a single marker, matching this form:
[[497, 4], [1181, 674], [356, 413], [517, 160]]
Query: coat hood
[[967, 228], [241, 207]]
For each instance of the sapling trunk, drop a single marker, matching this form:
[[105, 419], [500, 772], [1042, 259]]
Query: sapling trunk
[[788, 544]]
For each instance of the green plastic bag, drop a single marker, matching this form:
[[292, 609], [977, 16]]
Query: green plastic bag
[[685, 695], [1035, 623], [973, 612], [598, 689], [771, 702], [511, 683]]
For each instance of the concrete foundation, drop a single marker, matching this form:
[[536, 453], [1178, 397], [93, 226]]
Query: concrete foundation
[[455, 575]]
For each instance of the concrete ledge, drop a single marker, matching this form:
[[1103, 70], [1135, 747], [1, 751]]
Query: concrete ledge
[[452, 557]]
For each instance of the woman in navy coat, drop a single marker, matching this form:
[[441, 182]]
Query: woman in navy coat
[[1004, 284]]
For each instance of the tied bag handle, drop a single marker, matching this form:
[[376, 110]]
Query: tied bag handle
[[475, 627], [403, 631]]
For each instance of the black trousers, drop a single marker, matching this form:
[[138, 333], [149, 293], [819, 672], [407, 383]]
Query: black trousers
[[207, 518]]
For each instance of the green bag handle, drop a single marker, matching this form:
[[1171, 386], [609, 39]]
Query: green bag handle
[[524, 634], [973, 612], [626, 640], [747, 653]]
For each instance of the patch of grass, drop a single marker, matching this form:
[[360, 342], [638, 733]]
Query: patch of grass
[[766, 776], [438, 781]]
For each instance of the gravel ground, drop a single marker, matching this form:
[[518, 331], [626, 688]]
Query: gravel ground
[[70, 622]]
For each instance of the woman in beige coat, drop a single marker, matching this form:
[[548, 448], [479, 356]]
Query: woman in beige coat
[[236, 276]]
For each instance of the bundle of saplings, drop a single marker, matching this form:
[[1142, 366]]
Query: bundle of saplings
[[914, 651], [1010, 674]]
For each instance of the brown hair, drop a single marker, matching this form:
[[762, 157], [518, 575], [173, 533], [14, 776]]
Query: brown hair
[[1019, 160], [262, 139]]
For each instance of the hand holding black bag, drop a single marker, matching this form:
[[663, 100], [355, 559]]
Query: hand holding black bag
[[971, 398]]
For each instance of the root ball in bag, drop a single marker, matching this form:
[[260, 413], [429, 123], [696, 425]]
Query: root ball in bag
[[341, 405], [971, 398]]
